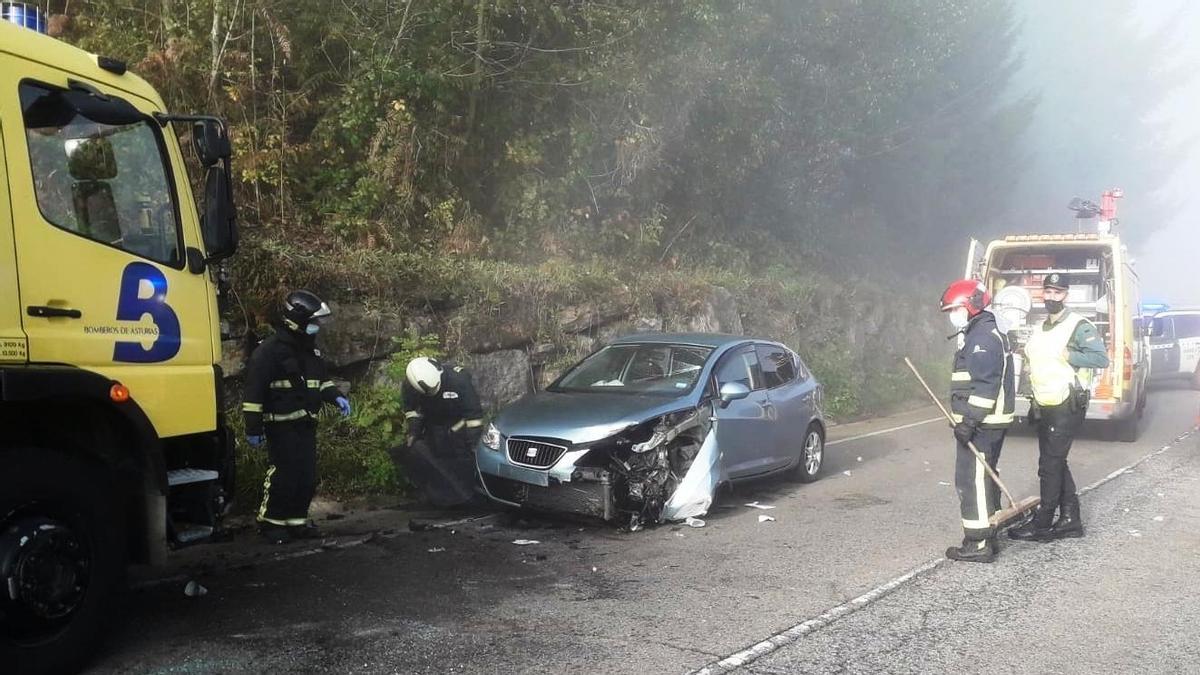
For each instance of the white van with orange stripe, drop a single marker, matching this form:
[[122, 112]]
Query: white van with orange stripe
[[1104, 289]]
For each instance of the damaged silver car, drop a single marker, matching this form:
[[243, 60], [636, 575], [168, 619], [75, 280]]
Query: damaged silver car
[[647, 428]]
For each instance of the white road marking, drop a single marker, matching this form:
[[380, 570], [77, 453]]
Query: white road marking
[[885, 431], [790, 635]]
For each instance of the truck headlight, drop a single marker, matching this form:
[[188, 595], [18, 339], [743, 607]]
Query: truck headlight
[[491, 438]]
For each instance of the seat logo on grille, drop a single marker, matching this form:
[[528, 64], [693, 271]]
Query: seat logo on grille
[[531, 452]]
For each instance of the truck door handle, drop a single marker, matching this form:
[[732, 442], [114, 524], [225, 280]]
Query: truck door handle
[[46, 312]]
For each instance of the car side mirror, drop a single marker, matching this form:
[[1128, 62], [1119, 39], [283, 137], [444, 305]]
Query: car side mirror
[[733, 391]]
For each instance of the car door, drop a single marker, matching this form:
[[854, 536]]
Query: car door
[[744, 427], [1187, 337], [1164, 352], [793, 399]]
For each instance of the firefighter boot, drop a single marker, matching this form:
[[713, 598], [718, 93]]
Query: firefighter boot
[[1037, 528], [981, 550], [1068, 524], [308, 530]]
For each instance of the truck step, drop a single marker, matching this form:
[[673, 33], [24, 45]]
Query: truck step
[[188, 534], [187, 476]]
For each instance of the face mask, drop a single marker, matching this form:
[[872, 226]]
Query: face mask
[[959, 318], [1054, 306], [312, 328]]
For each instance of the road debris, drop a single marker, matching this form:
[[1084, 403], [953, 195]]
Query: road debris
[[694, 522], [526, 542], [1135, 533], [193, 589], [436, 550], [942, 482], [756, 505], [765, 519], [845, 473], [860, 459], [1158, 519]]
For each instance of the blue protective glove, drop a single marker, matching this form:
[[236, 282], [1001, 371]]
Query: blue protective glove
[[343, 405], [256, 441]]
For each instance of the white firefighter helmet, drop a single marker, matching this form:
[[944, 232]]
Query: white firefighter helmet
[[425, 375]]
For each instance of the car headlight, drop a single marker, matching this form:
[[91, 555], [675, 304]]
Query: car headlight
[[491, 438]]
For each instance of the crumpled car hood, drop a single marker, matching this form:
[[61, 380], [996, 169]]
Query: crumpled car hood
[[582, 418]]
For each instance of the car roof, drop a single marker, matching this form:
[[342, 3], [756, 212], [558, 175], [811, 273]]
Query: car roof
[[714, 340]]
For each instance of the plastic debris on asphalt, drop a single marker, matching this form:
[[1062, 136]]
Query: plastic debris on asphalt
[[526, 542], [595, 569], [942, 482], [1135, 533], [845, 473], [765, 519], [860, 459], [1158, 519], [694, 522], [756, 505], [194, 589], [436, 550]]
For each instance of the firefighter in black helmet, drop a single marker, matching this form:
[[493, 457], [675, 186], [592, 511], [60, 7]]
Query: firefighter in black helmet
[[286, 385]]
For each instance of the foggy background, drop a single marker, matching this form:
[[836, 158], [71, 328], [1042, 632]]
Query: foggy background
[[1117, 107]]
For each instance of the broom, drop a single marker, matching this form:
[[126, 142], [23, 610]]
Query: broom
[[1015, 509]]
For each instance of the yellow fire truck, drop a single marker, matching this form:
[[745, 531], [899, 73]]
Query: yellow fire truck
[[113, 448]]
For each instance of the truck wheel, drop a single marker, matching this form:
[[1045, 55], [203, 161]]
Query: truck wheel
[[62, 553]]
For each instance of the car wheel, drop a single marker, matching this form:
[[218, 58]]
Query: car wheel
[[62, 553], [812, 455]]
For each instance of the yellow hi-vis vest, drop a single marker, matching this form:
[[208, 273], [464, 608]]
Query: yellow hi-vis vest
[[1050, 375]]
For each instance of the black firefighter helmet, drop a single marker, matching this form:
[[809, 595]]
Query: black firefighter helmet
[[302, 308]]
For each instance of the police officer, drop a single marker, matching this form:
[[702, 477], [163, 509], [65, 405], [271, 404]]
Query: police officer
[[286, 384], [982, 400], [445, 421], [1062, 355]]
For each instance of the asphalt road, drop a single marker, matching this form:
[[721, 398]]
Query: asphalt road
[[678, 599]]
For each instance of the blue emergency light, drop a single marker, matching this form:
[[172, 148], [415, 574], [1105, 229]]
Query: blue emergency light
[[23, 14], [1152, 308]]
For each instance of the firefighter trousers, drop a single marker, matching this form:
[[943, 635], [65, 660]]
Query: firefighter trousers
[[978, 494], [291, 478], [441, 464], [1057, 427]]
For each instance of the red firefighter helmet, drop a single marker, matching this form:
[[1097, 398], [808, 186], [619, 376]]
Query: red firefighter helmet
[[969, 293]]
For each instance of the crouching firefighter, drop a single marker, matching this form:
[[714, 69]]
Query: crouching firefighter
[[445, 421], [982, 400], [286, 385]]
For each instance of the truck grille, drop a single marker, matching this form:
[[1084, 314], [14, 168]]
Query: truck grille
[[534, 454]]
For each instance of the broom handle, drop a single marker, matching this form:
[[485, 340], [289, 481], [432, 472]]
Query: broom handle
[[978, 455]]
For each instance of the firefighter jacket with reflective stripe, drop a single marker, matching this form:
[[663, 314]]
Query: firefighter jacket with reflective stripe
[[1061, 356], [455, 405], [982, 384], [286, 381]]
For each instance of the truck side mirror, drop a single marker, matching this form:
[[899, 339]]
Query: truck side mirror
[[211, 142], [218, 224]]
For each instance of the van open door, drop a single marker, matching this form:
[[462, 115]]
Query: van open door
[[971, 271]]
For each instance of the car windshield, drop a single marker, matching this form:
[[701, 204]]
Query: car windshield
[[657, 369]]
